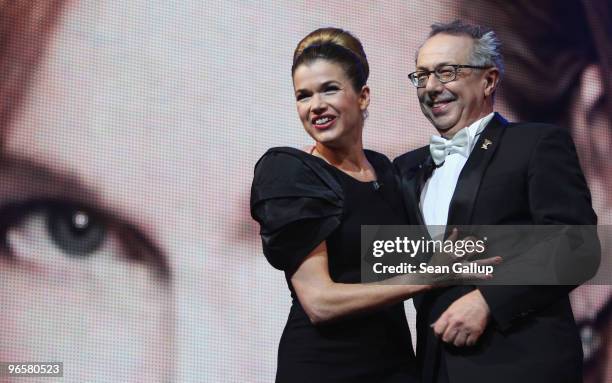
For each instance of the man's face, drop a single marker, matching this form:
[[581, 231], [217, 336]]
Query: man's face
[[456, 104]]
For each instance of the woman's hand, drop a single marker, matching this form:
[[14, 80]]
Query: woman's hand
[[454, 263]]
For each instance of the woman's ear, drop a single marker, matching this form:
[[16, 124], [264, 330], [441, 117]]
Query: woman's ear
[[364, 97]]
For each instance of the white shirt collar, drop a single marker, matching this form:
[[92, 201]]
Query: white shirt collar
[[477, 127]]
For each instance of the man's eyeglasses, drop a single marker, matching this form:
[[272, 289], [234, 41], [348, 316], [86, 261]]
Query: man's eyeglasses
[[444, 73]]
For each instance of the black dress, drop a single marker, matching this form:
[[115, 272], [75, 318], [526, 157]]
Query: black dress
[[300, 200]]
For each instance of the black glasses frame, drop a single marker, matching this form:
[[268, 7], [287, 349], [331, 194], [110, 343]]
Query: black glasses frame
[[415, 80]]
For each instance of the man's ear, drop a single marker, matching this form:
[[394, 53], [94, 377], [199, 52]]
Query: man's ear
[[491, 78]]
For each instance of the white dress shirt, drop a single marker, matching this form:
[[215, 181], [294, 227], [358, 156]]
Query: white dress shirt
[[440, 187]]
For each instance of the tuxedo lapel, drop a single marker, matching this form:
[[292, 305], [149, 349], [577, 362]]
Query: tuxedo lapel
[[425, 171], [426, 168], [466, 191]]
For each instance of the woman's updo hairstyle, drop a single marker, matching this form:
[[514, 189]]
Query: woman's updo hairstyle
[[338, 46]]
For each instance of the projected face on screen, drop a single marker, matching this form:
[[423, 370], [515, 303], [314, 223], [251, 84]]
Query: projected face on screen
[[128, 136], [125, 253], [82, 277]]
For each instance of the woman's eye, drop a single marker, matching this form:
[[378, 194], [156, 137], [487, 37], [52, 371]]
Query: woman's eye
[[302, 97], [46, 231], [77, 232], [331, 89], [39, 227]]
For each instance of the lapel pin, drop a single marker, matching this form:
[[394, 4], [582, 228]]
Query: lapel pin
[[486, 143]]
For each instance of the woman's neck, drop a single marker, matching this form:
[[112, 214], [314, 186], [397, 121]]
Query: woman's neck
[[350, 159]]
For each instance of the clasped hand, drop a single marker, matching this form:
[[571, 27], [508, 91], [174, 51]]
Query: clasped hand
[[464, 320]]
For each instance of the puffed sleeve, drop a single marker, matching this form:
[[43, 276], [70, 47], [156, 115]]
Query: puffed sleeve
[[297, 204]]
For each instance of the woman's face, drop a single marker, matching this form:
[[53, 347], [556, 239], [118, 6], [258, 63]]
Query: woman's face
[[329, 107]]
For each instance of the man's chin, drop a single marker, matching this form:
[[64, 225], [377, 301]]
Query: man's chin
[[442, 123], [441, 126]]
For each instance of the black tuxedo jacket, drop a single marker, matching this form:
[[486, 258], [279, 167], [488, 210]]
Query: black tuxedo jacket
[[528, 174]]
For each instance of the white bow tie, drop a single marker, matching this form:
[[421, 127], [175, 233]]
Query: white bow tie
[[440, 147]]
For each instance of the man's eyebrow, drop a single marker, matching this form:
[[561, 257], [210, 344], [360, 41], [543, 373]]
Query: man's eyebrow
[[420, 67], [23, 180]]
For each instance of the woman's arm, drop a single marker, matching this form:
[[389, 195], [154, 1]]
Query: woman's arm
[[324, 300]]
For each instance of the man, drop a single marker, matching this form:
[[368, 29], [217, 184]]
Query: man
[[577, 62], [486, 171]]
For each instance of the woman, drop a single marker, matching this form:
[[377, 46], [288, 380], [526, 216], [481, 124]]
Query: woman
[[311, 206]]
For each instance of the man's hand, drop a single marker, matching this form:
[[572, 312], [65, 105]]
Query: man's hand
[[463, 321]]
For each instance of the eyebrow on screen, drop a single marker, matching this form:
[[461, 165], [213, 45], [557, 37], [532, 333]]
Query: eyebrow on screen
[[23, 180]]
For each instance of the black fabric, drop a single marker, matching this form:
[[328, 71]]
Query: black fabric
[[532, 177], [296, 203], [300, 200]]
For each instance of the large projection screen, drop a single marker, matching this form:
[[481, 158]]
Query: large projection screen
[[128, 135]]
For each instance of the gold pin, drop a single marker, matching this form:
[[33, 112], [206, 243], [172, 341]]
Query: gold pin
[[486, 143]]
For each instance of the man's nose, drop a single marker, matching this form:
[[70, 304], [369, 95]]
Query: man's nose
[[433, 84]]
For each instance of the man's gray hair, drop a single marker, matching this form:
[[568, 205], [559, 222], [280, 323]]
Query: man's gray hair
[[487, 47]]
